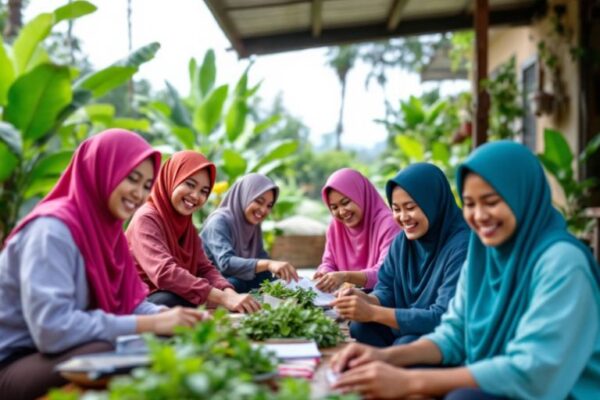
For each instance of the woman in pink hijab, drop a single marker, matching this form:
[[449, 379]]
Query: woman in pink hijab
[[360, 234], [68, 284]]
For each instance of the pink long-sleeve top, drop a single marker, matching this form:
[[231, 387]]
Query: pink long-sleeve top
[[160, 269]]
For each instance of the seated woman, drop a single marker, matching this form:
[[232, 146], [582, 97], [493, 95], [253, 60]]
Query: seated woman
[[359, 235], [232, 234], [68, 283], [525, 320], [166, 245], [418, 277]]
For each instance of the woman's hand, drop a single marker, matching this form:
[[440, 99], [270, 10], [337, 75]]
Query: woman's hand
[[164, 322], [354, 307], [317, 275], [241, 303], [330, 281], [354, 355], [283, 270], [375, 380]]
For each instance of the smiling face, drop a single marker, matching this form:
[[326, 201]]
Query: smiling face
[[132, 192], [408, 214], [488, 215], [344, 209], [260, 208], [191, 194]]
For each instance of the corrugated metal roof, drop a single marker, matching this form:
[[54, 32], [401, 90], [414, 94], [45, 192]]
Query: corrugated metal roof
[[268, 26]]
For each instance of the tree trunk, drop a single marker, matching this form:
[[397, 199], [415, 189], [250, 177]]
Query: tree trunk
[[340, 124], [15, 20]]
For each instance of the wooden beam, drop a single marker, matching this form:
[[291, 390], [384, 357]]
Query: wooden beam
[[335, 36], [222, 18], [482, 98], [317, 18], [396, 14], [275, 3]]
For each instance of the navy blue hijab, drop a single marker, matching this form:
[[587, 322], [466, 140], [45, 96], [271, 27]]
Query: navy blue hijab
[[425, 265]]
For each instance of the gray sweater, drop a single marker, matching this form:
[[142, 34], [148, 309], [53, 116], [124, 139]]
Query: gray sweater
[[44, 294]]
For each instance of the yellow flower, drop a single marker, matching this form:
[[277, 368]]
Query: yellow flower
[[220, 187]]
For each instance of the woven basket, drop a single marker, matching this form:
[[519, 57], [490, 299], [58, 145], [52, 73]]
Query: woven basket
[[300, 251]]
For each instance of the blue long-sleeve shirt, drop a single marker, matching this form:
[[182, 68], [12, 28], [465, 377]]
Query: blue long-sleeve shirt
[[423, 314], [555, 352], [218, 246], [44, 294]]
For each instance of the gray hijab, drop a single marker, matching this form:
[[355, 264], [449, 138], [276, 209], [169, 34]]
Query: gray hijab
[[247, 238]]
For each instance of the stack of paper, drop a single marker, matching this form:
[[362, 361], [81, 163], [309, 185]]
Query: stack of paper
[[298, 358]]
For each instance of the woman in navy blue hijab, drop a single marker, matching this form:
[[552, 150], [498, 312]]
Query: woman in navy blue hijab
[[419, 275]]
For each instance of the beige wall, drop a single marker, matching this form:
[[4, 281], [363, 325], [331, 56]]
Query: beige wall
[[522, 43]]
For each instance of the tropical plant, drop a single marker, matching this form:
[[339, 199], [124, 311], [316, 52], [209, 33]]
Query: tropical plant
[[557, 159], [37, 96], [423, 131], [506, 108], [216, 120]]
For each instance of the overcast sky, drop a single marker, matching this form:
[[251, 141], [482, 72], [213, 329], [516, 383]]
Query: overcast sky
[[186, 28]]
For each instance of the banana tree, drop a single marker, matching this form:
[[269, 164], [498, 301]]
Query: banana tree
[[37, 96], [217, 121], [559, 161]]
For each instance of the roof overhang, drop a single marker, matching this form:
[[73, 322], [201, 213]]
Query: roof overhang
[[271, 26]]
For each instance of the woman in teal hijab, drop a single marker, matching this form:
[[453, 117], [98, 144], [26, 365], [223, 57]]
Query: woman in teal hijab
[[418, 277], [525, 319]]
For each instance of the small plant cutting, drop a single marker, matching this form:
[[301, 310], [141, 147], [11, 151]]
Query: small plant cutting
[[290, 320], [303, 297]]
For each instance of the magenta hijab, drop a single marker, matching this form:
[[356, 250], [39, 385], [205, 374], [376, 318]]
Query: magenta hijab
[[359, 247], [80, 200]]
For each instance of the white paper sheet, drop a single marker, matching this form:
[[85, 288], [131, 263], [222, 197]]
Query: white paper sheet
[[294, 350]]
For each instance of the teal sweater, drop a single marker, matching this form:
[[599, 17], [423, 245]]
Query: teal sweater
[[555, 352]]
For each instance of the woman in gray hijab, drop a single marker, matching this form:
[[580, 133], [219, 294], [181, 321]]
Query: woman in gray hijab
[[232, 235]]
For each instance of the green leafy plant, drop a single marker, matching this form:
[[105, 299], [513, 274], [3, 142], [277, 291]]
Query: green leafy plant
[[216, 340], [217, 121], [37, 96], [302, 297], [505, 101], [557, 159], [290, 320]]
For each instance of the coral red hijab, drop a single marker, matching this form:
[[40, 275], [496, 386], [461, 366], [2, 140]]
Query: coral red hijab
[[80, 200], [182, 236]]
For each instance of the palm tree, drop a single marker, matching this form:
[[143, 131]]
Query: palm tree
[[342, 60]]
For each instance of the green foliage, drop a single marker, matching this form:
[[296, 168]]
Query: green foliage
[[302, 297], [505, 101], [218, 122], [39, 100], [422, 129], [557, 159], [290, 320]]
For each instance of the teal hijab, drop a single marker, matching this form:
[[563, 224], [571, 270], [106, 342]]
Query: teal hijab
[[422, 261], [498, 278]]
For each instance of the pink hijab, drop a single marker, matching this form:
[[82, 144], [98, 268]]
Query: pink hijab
[[80, 200], [365, 246]]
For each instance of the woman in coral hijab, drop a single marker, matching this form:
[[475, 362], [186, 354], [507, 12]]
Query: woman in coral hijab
[[68, 283], [525, 320], [166, 245], [359, 235]]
